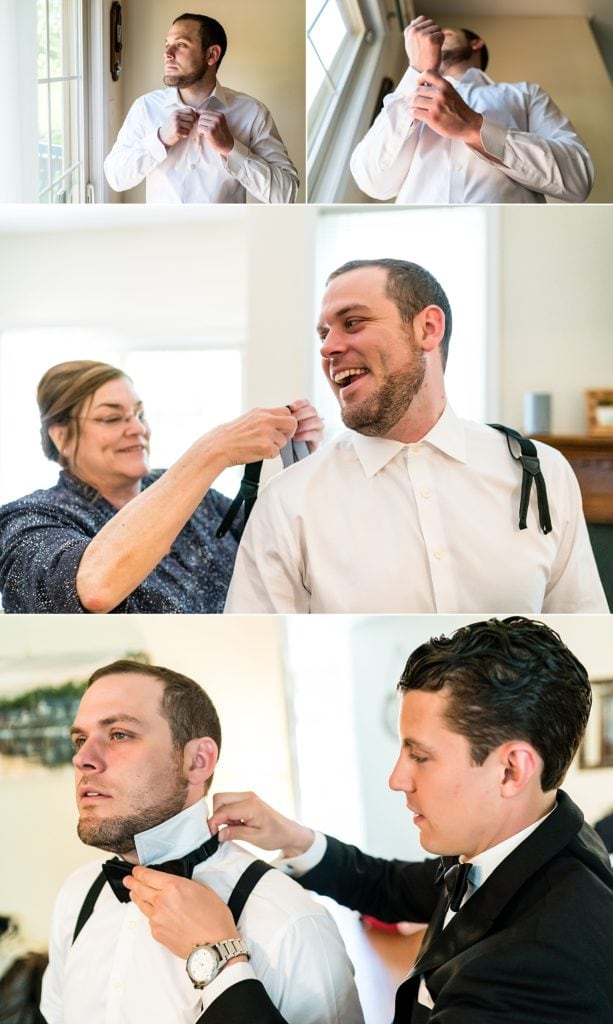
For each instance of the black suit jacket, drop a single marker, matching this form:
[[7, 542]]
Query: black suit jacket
[[533, 945]]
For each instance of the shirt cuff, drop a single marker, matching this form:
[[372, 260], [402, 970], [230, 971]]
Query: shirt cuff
[[494, 138], [408, 83], [297, 866], [231, 975], [155, 147], [235, 159]]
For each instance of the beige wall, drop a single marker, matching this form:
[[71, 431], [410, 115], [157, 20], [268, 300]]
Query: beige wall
[[239, 662], [265, 58], [560, 54], [556, 309]]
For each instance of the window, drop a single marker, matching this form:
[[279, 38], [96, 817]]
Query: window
[[61, 101], [186, 392], [335, 29], [452, 243]]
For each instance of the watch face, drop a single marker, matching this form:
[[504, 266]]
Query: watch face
[[202, 965]]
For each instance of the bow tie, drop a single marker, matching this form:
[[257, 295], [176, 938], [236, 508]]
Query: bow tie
[[455, 879], [116, 870]]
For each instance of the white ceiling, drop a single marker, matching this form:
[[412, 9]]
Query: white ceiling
[[600, 13]]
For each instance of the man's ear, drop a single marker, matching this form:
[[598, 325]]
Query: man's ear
[[213, 54], [199, 760], [476, 44], [520, 764], [429, 328]]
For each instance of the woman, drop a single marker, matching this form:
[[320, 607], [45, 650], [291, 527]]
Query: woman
[[111, 535]]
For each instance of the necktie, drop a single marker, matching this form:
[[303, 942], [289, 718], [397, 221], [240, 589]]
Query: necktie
[[116, 870], [455, 879]]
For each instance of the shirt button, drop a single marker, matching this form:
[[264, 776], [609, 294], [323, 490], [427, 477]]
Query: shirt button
[[457, 168], [438, 554], [192, 167], [426, 493]]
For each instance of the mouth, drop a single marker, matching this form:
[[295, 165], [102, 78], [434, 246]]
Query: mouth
[[349, 380], [133, 448], [88, 794]]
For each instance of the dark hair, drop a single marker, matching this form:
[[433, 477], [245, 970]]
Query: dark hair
[[62, 392], [211, 32], [412, 288], [509, 679], [187, 708], [483, 52]]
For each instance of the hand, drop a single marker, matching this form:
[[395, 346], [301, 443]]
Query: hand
[[423, 40], [182, 913], [310, 426], [213, 127], [259, 434], [177, 127], [437, 104], [247, 817]]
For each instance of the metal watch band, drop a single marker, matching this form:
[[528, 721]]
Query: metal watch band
[[229, 948]]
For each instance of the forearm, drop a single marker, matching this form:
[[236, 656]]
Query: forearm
[[132, 159], [135, 540]]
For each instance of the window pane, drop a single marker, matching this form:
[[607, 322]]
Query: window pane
[[313, 8], [315, 74], [43, 137], [41, 27], [328, 33], [56, 28]]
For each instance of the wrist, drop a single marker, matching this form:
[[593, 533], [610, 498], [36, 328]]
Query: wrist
[[300, 842]]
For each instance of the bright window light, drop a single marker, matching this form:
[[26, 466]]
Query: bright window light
[[334, 31], [450, 242]]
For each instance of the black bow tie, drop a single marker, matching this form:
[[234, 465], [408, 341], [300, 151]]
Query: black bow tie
[[455, 879], [116, 870]]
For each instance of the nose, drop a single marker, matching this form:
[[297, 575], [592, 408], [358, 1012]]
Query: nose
[[87, 756], [169, 52], [136, 425], [401, 779], [333, 343]]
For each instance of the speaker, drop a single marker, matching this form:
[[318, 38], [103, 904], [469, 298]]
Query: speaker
[[537, 413]]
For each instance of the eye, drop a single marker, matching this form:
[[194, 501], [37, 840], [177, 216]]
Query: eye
[[418, 759], [109, 421], [77, 741], [141, 416], [117, 734], [352, 322]]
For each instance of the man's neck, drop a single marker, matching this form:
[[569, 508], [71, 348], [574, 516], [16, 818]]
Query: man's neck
[[424, 412], [456, 70], [194, 95]]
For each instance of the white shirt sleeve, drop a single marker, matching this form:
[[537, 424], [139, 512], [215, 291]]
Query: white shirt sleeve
[[549, 158], [264, 168], [137, 151], [381, 161], [298, 866], [269, 569]]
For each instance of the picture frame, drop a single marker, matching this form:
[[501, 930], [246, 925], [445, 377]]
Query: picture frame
[[597, 748], [599, 411]]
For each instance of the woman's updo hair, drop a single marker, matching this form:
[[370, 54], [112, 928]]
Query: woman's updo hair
[[62, 392]]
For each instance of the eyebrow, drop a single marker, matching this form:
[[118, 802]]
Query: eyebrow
[[111, 720], [117, 405], [353, 307], [408, 742]]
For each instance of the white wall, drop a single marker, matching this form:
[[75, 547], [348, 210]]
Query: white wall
[[239, 663], [265, 59]]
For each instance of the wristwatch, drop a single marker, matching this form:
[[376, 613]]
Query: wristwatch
[[205, 962]]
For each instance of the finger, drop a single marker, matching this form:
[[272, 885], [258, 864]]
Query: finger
[[310, 425], [148, 878], [431, 78]]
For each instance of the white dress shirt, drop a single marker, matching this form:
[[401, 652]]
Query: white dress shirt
[[116, 972], [540, 152], [372, 525], [192, 171]]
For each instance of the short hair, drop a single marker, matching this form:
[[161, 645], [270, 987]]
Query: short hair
[[61, 394], [509, 679], [211, 32], [411, 288], [484, 55], [187, 708]]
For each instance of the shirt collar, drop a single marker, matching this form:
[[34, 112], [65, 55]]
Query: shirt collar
[[447, 435], [174, 837], [218, 99], [472, 75], [484, 864]]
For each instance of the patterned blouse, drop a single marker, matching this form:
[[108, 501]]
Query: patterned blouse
[[43, 537]]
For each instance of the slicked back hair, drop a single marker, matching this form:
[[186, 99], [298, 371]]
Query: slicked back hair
[[211, 33], [505, 680], [411, 288]]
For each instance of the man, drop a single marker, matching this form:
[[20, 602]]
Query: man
[[146, 744], [198, 141], [412, 510], [449, 134], [522, 928]]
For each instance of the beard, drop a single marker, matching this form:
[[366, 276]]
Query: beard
[[456, 55], [117, 834], [184, 81], [376, 416]]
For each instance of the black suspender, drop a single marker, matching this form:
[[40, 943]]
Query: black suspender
[[531, 470], [236, 904]]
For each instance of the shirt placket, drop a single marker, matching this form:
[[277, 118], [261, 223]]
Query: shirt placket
[[457, 171], [121, 965], [427, 503]]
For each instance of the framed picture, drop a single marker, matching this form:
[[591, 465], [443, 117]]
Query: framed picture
[[599, 409], [597, 747]]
